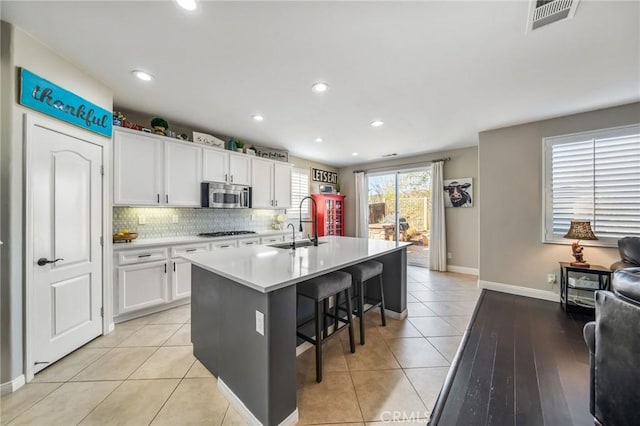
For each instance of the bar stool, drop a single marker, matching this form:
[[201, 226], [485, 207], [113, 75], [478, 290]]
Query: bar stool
[[320, 289], [361, 273]]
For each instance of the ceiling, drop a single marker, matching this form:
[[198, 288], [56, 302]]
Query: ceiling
[[435, 72]]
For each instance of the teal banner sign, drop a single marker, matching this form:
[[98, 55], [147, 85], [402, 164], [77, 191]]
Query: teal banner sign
[[48, 98]]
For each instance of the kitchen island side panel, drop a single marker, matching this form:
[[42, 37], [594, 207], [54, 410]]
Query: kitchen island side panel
[[259, 370], [394, 281]]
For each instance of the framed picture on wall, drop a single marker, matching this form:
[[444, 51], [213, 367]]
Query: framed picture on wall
[[458, 192]]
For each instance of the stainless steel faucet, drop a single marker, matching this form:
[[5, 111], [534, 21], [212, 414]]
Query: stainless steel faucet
[[314, 220], [293, 234]]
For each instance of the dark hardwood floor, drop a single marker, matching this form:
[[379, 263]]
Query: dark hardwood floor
[[524, 363]]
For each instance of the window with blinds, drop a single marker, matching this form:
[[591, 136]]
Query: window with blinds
[[593, 176], [299, 190]]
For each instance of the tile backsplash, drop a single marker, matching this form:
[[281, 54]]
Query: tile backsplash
[[159, 222]]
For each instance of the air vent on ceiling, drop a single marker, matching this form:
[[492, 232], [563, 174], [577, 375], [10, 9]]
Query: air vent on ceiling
[[545, 12], [390, 155]]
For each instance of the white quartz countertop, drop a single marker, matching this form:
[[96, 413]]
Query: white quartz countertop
[[266, 268], [167, 241]]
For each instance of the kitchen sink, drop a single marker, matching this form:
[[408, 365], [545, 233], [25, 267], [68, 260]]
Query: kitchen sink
[[302, 243]]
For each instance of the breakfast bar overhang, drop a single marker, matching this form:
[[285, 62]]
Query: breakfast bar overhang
[[244, 314]]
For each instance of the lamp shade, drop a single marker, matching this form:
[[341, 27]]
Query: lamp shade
[[580, 230]]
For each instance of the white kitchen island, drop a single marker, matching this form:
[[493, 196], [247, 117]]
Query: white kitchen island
[[244, 314]]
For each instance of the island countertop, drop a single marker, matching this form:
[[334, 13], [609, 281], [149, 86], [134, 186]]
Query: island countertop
[[266, 268]]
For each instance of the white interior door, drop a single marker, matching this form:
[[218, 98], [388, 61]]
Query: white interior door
[[65, 288]]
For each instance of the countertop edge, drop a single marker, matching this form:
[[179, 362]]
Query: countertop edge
[[189, 239]]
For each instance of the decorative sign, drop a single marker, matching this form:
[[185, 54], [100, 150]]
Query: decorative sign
[[323, 176], [48, 98]]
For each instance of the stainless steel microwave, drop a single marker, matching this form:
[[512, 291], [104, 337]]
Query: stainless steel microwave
[[222, 196]]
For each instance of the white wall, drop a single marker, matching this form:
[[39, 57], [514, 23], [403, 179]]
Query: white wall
[[511, 248], [462, 223], [21, 50]]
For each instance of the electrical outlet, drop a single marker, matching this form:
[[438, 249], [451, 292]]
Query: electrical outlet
[[260, 322], [449, 255], [174, 219], [551, 278], [142, 220]]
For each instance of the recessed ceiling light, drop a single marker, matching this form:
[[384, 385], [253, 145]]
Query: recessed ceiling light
[[377, 123], [189, 5], [318, 140], [257, 117], [320, 87], [355, 154], [141, 75]]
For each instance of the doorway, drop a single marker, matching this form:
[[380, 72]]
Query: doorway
[[64, 191], [400, 210]]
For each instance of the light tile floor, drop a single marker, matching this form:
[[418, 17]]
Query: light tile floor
[[145, 373]]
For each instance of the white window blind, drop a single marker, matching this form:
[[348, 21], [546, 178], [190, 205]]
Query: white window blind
[[593, 176], [299, 190]]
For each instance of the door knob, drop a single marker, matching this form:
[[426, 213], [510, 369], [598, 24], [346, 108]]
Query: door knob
[[43, 261]]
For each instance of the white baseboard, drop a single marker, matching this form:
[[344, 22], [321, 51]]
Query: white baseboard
[[462, 269], [520, 291], [13, 385], [242, 409]]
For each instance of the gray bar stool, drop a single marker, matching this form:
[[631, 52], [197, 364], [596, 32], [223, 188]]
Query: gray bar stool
[[320, 289], [361, 273]]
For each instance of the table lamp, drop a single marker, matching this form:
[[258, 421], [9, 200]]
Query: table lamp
[[579, 230]]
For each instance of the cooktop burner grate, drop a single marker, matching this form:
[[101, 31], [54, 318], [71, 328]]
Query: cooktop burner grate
[[225, 233]]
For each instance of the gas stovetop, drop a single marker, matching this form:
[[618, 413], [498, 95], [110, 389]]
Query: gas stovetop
[[225, 233]]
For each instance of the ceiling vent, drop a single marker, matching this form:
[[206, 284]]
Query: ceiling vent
[[545, 12]]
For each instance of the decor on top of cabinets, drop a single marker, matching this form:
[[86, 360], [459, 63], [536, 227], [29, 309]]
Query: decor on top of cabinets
[[208, 140], [458, 192], [272, 153], [159, 125], [118, 118]]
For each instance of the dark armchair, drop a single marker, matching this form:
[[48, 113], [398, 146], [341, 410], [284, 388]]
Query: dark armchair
[[629, 248], [614, 351]]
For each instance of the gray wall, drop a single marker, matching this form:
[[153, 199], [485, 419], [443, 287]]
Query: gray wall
[[20, 50], [462, 223], [511, 248]]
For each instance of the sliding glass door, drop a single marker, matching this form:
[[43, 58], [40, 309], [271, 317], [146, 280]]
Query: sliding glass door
[[400, 210]]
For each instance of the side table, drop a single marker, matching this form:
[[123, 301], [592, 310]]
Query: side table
[[578, 284]]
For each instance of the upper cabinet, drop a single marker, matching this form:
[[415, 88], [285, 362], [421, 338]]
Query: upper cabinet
[[151, 171], [182, 174], [138, 169], [270, 184], [226, 167]]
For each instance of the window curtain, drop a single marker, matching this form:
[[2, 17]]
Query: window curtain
[[362, 205], [438, 237]]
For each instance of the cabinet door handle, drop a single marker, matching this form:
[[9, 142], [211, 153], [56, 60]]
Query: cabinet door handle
[[167, 198], [174, 266], [225, 177], [190, 250], [144, 255], [276, 203], [249, 243], [225, 246], [165, 268], [231, 178], [158, 198]]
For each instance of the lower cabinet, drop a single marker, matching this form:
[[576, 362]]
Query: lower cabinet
[[141, 286], [180, 279]]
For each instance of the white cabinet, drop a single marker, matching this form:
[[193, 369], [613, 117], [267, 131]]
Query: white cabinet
[[154, 170], [270, 184], [138, 169], [282, 185], [226, 167], [180, 279], [141, 286], [182, 175]]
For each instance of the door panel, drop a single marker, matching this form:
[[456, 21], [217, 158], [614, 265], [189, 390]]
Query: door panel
[[72, 207], [141, 286], [71, 302], [261, 183], [239, 169], [182, 175], [65, 196], [181, 280], [215, 165], [282, 186], [138, 169]]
